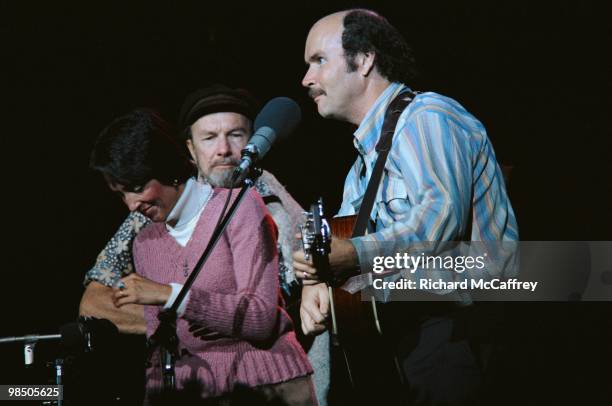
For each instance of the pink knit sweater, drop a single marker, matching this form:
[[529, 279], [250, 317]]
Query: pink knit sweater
[[234, 330]]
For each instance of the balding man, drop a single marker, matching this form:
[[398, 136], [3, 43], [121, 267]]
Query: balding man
[[440, 182]]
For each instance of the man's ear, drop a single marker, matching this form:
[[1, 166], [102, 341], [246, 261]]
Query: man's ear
[[366, 62], [191, 150]]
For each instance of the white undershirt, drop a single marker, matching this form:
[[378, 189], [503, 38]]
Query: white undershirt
[[186, 212]]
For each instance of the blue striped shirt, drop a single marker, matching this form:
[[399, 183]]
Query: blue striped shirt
[[440, 181]]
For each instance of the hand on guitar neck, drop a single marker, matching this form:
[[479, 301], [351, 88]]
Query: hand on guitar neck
[[342, 261], [323, 261]]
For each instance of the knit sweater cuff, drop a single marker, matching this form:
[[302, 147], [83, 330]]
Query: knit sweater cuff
[[176, 288]]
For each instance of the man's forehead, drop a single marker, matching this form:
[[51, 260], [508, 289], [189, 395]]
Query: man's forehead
[[221, 120], [332, 21], [326, 34]]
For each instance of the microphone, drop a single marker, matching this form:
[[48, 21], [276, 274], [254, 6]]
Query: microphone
[[86, 333], [80, 335], [277, 119]]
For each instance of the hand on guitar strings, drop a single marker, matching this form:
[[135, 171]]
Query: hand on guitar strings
[[314, 309], [343, 260]]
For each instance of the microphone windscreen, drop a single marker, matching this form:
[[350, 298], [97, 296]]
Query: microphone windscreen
[[72, 335], [281, 115], [101, 327], [101, 330]]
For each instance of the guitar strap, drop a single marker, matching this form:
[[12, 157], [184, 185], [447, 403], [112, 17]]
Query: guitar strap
[[395, 109], [392, 114]]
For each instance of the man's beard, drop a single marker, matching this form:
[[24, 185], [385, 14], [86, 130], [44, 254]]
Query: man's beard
[[219, 178]]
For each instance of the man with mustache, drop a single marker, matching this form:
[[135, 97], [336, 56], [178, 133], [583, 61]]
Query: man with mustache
[[217, 123], [440, 182]]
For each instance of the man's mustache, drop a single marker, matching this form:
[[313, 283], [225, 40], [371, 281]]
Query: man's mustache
[[227, 161], [314, 92]]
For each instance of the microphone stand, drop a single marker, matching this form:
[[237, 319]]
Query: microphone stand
[[165, 335], [29, 342]]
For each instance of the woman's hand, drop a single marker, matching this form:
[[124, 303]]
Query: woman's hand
[[136, 289]]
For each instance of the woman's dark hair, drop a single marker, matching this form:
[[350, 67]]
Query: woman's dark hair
[[138, 147], [367, 31]]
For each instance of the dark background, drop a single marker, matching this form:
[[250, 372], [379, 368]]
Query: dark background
[[537, 74]]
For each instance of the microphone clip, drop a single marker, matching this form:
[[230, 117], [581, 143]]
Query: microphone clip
[[246, 170], [249, 155]]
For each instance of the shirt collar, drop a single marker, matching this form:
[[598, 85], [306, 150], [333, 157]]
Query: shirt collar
[[368, 132], [190, 204]]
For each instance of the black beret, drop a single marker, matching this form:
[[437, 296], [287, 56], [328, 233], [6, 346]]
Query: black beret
[[216, 99]]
